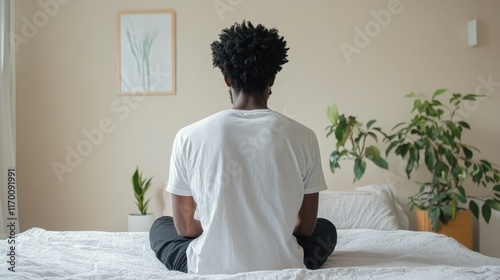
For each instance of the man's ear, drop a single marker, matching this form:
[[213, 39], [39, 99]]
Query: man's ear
[[227, 81], [271, 82]]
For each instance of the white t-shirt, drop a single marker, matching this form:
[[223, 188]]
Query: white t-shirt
[[248, 172]]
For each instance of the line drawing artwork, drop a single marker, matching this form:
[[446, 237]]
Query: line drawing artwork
[[146, 52]]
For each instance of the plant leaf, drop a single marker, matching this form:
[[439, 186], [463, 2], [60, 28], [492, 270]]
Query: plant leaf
[[462, 197], [333, 113], [370, 123], [493, 204], [436, 103], [359, 168], [136, 181], [486, 163], [331, 130], [409, 167], [474, 208], [334, 161], [340, 131], [391, 146], [417, 105], [402, 149], [412, 94], [464, 124], [486, 211], [430, 160], [467, 152], [470, 97], [455, 131], [372, 151], [379, 161], [397, 125], [434, 217], [438, 92], [373, 135], [144, 209], [450, 157], [146, 185], [420, 144]]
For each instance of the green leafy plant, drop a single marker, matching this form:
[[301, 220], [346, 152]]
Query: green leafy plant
[[348, 130], [141, 186], [434, 135]]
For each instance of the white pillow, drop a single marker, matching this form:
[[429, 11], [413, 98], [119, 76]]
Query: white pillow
[[370, 207]]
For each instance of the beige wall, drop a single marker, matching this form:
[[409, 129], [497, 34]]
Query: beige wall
[[66, 83]]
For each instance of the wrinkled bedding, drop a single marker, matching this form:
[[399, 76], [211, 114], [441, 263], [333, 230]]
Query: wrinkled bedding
[[360, 254]]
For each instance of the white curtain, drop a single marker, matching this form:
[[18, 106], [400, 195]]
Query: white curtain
[[7, 115]]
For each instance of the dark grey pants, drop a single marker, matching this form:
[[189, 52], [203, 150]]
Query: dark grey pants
[[170, 248]]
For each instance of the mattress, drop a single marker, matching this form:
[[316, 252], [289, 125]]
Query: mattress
[[360, 254]]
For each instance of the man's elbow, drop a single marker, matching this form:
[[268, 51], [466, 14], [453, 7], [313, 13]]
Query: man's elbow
[[303, 230], [188, 231], [307, 232]]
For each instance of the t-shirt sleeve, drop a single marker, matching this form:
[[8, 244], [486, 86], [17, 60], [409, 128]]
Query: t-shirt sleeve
[[314, 181], [178, 178]]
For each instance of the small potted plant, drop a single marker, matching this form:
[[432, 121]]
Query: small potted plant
[[348, 130], [140, 221], [434, 136]]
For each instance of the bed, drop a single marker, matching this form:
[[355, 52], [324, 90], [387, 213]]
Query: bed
[[368, 247]]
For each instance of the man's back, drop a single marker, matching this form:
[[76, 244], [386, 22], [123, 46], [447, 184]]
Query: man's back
[[245, 181], [248, 172]]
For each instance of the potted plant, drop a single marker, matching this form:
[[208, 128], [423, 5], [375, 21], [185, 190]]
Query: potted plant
[[140, 221], [348, 130], [434, 136]]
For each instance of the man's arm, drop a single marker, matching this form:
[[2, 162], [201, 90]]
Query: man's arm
[[308, 213], [183, 211]]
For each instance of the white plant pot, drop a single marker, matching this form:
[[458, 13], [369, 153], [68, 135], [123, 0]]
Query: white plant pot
[[138, 222]]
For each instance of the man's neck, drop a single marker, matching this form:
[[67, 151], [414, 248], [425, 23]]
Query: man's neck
[[244, 101]]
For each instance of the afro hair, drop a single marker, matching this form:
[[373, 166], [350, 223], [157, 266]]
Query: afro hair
[[249, 56]]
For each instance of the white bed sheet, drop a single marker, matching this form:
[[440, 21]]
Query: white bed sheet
[[360, 254]]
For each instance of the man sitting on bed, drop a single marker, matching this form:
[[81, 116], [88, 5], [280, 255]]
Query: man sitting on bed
[[245, 181]]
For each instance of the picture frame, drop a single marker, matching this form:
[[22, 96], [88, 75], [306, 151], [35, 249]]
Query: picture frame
[[146, 52]]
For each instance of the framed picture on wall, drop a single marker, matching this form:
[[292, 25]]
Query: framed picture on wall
[[146, 52]]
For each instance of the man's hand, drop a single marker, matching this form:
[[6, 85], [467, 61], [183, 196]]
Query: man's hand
[[183, 211], [308, 213]]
